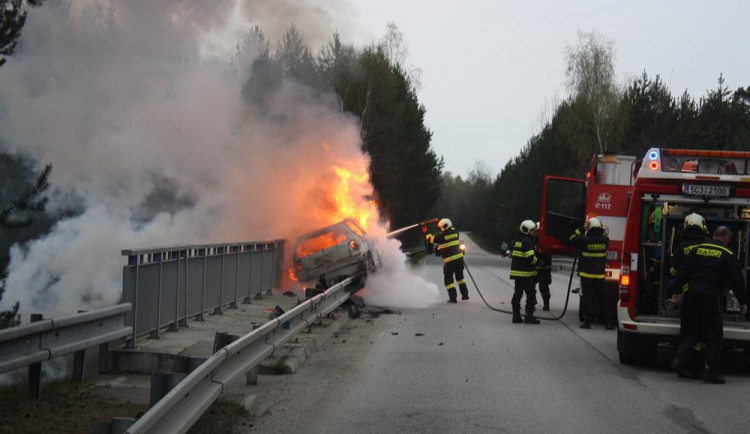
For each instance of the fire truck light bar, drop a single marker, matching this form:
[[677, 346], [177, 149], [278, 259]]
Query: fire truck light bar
[[697, 153]]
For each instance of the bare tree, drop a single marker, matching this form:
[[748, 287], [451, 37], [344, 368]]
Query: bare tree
[[590, 78]]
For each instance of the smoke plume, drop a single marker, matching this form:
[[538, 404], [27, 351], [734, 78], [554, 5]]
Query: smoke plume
[[138, 105]]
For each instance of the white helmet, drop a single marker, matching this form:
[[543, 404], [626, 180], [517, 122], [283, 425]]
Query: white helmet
[[695, 220], [527, 226], [445, 224], [594, 223]]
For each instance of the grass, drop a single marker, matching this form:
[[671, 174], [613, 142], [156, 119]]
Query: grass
[[64, 407]]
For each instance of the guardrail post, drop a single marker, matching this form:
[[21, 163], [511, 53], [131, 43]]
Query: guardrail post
[[222, 339], [155, 333], [135, 261], [104, 358], [162, 383], [79, 358], [218, 309], [203, 288], [236, 276], [173, 326], [118, 425], [183, 321], [249, 250], [251, 378], [35, 370]]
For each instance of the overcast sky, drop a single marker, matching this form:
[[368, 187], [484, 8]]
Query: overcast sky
[[490, 67]]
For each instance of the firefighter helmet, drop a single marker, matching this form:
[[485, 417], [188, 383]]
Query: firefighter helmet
[[695, 220], [445, 224], [595, 223], [527, 226]]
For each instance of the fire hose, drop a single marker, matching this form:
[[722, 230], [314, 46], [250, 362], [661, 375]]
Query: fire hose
[[567, 296], [557, 318]]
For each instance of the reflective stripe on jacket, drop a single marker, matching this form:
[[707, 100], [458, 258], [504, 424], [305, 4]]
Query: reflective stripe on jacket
[[592, 247], [523, 259], [448, 245]]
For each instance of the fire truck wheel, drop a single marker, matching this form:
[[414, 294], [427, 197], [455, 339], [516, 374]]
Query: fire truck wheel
[[627, 359]]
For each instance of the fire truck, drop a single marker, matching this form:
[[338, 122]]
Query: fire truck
[[670, 184], [605, 194], [649, 201]]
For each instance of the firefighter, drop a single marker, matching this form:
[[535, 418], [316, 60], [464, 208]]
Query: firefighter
[[449, 247], [707, 269], [592, 242], [694, 234], [543, 273], [523, 271]]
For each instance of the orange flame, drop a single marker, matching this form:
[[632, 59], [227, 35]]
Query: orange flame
[[348, 196]]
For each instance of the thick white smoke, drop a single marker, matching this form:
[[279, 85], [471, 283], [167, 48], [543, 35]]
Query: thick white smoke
[[395, 285], [139, 109]]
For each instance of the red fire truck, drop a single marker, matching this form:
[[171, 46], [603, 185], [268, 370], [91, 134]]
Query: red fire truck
[[645, 221], [671, 184], [568, 202]]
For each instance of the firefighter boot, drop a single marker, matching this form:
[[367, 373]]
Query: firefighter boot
[[530, 317], [452, 295], [517, 315], [681, 363], [464, 291], [586, 322], [711, 374], [545, 299]]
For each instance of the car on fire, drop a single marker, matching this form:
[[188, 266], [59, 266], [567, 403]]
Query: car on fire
[[334, 253]]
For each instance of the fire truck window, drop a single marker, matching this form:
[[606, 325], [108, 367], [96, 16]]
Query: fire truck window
[[689, 166], [565, 207]]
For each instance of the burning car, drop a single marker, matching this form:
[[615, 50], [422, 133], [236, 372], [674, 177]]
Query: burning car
[[334, 253]]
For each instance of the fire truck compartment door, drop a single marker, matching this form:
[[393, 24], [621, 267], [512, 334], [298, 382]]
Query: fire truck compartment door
[[563, 211]]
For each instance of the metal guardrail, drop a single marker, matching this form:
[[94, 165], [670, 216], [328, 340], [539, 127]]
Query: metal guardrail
[[47, 339], [186, 403], [169, 285], [562, 263]]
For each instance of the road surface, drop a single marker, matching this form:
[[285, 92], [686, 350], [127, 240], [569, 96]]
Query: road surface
[[464, 368]]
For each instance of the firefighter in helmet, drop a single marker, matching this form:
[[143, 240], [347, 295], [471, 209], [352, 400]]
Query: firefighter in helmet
[[543, 272], [592, 242], [523, 271], [707, 269], [449, 247]]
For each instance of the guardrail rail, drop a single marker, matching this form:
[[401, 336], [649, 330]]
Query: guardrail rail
[[46, 339], [183, 406]]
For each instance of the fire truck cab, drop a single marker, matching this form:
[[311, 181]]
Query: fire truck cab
[[605, 194], [671, 184]]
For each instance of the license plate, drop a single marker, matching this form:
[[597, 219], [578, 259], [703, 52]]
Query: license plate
[[707, 190]]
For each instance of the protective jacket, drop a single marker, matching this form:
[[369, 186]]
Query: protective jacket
[[523, 259], [692, 236], [592, 247], [448, 245], [709, 267]]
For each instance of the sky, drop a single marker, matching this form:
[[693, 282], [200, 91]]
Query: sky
[[490, 69]]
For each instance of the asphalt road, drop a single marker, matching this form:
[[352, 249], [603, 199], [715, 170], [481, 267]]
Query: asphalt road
[[464, 368]]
